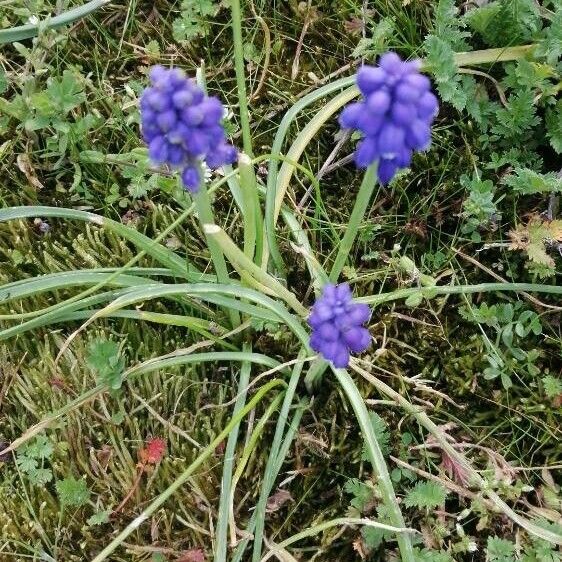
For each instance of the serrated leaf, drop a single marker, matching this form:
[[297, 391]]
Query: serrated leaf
[[27, 464], [550, 47], [141, 185], [533, 239], [554, 128], [529, 182], [441, 63], [427, 555], [371, 47], [500, 550], [479, 209], [517, 117], [552, 386], [99, 518], [40, 476], [194, 18], [73, 492], [40, 448], [483, 314], [449, 26], [362, 494], [381, 433], [104, 358], [425, 495], [60, 97], [505, 22]]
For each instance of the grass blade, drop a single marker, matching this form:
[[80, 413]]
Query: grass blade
[[32, 29], [167, 361], [377, 460], [182, 479], [221, 536]]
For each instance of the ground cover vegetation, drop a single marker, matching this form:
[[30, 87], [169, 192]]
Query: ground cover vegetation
[[277, 304]]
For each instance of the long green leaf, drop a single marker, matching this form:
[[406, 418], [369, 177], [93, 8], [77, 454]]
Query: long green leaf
[[31, 30], [64, 312], [430, 292], [377, 460], [221, 535], [197, 325], [54, 316], [271, 467], [202, 291], [277, 147], [55, 281]]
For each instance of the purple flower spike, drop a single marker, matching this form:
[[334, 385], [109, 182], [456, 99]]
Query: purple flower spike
[[395, 116], [337, 325], [182, 126]]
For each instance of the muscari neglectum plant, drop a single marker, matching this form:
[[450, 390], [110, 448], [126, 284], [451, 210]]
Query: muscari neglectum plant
[[182, 128]]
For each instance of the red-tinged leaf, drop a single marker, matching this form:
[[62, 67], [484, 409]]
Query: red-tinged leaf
[[454, 469], [153, 452], [193, 555]]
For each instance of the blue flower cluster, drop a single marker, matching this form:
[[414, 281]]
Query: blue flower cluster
[[182, 126], [395, 116], [337, 325]]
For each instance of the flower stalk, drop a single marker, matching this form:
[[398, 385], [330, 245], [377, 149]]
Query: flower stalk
[[361, 205], [240, 76], [205, 213]]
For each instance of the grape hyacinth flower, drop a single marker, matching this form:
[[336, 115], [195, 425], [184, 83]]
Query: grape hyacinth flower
[[182, 126], [337, 325], [395, 115]]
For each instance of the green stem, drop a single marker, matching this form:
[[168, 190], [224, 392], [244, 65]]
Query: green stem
[[430, 292], [30, 30], [228, 465], [240, 76], [186, 474], [252, 216], [359, 210], [205, 212], [377, 460], [339, 522]]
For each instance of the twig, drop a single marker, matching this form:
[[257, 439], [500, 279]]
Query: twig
[[267, 42], [327, 167], [140, 471], [499, 89], [307, 22], [449, 484], [169, 425]]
